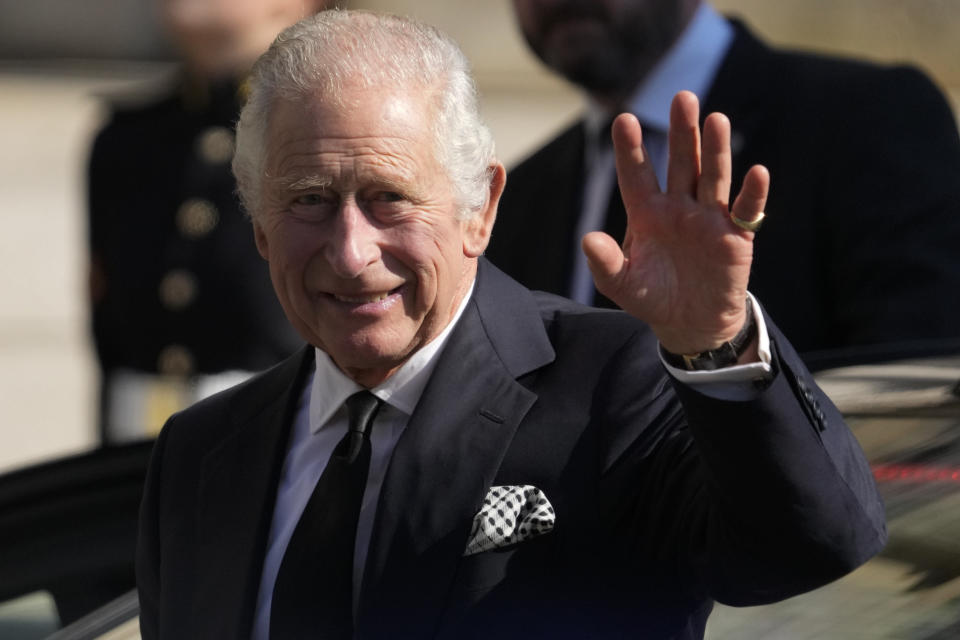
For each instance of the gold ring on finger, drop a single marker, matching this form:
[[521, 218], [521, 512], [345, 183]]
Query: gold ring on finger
[[748, 225]]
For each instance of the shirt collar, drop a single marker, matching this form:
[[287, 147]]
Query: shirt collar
[[402, 390], [690, 64]]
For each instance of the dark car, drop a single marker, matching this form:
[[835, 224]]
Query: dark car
[[67, 536], [68, 528]]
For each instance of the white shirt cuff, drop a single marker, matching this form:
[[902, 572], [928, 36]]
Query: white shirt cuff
[[735, 382]]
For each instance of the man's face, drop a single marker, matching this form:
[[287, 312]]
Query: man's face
[[359, 223], [604, 46]]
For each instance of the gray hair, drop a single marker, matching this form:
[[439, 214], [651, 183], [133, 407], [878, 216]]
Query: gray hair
[[324, 52]]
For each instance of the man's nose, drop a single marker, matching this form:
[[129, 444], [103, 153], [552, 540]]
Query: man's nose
[[352, 245]]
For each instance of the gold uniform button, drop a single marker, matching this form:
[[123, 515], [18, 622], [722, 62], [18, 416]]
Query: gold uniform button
[[197, 217], [178, 289], [175, 360], [215, 145]]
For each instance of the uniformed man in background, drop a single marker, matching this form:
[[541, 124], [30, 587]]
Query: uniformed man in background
[[181, 302]]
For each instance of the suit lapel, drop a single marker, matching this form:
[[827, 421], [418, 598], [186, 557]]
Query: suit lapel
[[238, 487], [447, 458], [741, 90], [542, 200]]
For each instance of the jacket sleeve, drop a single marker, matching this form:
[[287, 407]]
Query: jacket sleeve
[[894, 158], [752, 501], [793, 493]]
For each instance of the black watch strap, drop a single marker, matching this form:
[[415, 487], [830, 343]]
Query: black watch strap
[[725, 355]]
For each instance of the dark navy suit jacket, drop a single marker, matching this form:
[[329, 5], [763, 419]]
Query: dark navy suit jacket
[[665, 499]]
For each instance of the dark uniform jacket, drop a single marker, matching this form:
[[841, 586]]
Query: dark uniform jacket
[[178, 287]]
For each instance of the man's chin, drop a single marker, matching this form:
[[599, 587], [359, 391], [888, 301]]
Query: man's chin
[[593, 73], [367, 364]]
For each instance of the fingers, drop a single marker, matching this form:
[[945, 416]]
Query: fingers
[[635, 173], [713, 187], [605, 259], [700, 169], [752, 198], [683, 167]]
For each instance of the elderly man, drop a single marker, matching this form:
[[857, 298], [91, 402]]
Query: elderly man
[[455, 456], [859, 244]]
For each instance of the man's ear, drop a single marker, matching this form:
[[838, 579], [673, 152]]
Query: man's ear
[[260, 237], [478, 228]]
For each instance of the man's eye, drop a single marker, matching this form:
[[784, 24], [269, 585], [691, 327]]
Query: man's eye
[[314, 206], [384, 204], [388, 196], [309, 199]]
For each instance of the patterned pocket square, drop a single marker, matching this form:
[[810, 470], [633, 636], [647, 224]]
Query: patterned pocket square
[[510, 514]]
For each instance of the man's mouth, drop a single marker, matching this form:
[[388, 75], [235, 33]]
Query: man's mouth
[[360, 299], [363, 299]]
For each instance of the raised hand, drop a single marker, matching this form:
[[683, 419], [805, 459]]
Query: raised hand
[[684, 264]]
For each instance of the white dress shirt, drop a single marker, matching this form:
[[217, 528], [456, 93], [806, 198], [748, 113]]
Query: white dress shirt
[[691, 64], [319, 424]]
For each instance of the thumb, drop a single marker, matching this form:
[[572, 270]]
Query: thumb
[[605, 259]]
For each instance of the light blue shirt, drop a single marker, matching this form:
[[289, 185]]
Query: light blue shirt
[[691, 64]]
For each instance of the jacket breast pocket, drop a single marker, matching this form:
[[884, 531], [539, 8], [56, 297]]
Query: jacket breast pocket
[[480, 572], [517, 563]]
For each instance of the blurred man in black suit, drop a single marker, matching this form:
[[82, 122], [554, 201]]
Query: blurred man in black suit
[[864, 260]]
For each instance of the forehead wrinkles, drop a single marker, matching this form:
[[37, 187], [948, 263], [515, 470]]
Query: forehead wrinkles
[[333, 158]]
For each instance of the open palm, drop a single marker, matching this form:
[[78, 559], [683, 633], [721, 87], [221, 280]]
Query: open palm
[[683, 266]]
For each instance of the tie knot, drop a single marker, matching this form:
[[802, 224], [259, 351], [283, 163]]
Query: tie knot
[[362, 407]]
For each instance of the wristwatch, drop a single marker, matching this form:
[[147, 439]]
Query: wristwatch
[[725, 355]]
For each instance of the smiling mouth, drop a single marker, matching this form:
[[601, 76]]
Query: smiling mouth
[[363, 299], [367, 298]]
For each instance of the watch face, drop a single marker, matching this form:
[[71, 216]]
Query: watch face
[[724, 356]]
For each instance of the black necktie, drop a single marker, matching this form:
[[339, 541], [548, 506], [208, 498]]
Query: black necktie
[[313, 594]]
